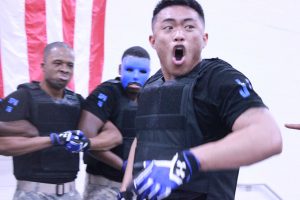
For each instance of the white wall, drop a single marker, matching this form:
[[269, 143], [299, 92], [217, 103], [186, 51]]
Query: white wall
[[260, 38]]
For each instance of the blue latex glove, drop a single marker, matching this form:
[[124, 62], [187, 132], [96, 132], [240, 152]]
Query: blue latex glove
[[160, 177], [78, 142], [60, 138]]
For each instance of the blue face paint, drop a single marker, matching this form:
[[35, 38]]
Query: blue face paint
[[134, 70]]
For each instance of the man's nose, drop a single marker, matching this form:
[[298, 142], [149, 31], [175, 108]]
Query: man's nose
[[179, 35], [136, 75], [65, 67]]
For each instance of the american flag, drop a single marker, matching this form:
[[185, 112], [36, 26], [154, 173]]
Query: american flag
[[26, 26]]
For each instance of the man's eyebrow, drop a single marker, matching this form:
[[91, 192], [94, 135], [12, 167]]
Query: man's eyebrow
[[189, 19], [172, 19], [169, 20], [60, 60], [57, 60]]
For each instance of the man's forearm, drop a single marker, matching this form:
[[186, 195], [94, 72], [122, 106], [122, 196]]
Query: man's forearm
[[103, 144], [127, 179], [15, 146], [108, 158], [108, 138]]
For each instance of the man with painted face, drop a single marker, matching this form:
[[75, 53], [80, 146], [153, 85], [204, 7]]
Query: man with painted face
[[113, 101]]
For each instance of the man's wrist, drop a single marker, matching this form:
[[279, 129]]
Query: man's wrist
[[192, 164], [54, 138], [196, 166], [88, 146]]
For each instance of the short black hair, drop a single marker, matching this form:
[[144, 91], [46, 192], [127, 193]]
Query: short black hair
[[189, 3], [52, 45], [136, 51]]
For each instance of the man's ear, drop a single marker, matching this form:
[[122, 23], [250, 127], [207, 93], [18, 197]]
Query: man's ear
[[152, 41], [205, 40]]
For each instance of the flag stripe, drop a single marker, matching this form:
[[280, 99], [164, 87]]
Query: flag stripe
[[82, 41], [13, 45], [68, 13], [54, 21], [35, 20], [97, 45]]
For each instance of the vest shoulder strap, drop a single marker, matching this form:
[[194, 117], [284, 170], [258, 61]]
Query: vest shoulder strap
[[33, 85], [116, 86], [154, 77]]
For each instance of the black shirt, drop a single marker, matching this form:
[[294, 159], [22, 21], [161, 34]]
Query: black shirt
[[221, 95]]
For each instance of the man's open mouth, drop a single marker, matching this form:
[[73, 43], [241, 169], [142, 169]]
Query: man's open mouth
[[179, 52]]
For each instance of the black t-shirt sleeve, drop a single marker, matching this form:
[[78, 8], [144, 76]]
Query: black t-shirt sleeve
[[222, 94], [15, 106], [102, 102], [234, 95]]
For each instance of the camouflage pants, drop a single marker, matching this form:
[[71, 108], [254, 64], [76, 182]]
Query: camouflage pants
[[22, 195], [100, 188]]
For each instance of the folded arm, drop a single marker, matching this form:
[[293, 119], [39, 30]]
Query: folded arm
[[102, 136], [108, 158], [20, 137], [108, 138], [18, 128], [15, 146]]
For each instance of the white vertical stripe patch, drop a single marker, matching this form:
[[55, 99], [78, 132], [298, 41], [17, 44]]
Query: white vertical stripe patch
[[13, 44], [82, 41], [54, 20]]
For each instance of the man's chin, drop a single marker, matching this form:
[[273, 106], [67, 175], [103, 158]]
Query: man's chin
[[133, 89], [61, 85], [58, 85]]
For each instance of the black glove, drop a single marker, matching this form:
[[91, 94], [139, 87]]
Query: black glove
[[127, 195]]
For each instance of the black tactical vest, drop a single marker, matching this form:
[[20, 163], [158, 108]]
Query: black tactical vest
[[54, 164], [166, 123], [123, 118]]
